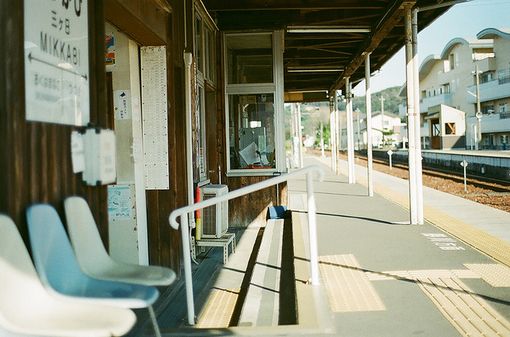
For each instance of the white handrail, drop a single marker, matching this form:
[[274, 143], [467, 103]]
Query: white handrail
[[184, 211]]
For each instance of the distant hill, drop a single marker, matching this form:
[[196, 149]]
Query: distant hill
[[391, 101]]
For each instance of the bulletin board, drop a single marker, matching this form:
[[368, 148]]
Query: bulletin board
[[155, 117]]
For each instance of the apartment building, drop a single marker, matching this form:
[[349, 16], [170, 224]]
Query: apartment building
[[448, 99], [494, 93]]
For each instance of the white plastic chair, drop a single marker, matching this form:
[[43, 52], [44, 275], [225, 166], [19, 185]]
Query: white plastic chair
[[92, 255], [95, 260], [26, 308]]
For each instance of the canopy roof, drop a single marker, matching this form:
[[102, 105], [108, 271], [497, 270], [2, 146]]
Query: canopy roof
[[326, 39]]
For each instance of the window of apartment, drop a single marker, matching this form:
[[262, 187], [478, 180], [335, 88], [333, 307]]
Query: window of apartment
[[423, 94], [254, 101], [449, 128], [451, 61], [487, 77], [488, 109], [504, 139], [503, 107], [446, 88]]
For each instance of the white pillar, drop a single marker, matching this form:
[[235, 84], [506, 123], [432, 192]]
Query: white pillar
[[332, 132], [368, 104], [300, 135], [417, 121], [350, 132], [411, 117], [339, 132]]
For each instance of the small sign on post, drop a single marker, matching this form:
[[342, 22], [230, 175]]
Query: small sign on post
[[390, 153], [464, 164]]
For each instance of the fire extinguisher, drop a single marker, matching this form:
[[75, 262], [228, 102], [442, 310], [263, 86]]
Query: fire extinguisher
[[198, 216]]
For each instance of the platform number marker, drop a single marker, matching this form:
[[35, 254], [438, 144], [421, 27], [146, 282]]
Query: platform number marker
[[390, 153]]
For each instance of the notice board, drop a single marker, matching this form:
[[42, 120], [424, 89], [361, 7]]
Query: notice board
[[155, 117]]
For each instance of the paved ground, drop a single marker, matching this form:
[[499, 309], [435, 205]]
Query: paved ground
[[382, 276], [439, 290]]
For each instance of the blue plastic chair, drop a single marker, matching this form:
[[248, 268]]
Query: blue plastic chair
[[27, 309], [58, 268]]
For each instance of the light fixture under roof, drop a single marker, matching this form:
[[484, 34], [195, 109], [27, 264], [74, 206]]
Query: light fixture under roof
[[328, 29], [312, 69]]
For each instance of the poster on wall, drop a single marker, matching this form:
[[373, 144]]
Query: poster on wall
[[109, 44], [56, 61]]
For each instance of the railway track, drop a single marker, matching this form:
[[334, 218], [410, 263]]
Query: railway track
[[496, 185]]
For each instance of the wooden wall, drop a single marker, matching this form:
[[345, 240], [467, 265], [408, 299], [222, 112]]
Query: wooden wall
[[148, 24], [35, 160]]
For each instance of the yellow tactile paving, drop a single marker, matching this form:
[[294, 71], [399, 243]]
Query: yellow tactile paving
[[218, 309], [468, 312], [347, 286], [490, 245], [416, 274], [497, 275]]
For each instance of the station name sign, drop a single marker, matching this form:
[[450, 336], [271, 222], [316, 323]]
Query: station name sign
[[57, 61]]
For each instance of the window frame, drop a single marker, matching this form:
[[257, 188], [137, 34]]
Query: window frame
[[275, 88], [203, 80]]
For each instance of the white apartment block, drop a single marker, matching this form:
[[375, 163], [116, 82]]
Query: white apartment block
[[448, 93], [494, 87]]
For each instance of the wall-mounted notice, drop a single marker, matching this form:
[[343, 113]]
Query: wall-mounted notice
[[122, 104], [155, 119], [120, 202], [57, 61]]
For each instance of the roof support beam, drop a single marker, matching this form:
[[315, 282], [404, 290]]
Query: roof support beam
[[391, 17], [284, 5]]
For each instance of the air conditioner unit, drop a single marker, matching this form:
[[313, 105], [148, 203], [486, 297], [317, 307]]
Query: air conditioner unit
[[214, 218]]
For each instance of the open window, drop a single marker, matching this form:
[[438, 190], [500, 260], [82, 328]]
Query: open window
[[254, 91]]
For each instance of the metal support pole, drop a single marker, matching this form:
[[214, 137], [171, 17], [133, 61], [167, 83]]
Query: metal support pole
[[188, 277], [332, 132], [478, 109], [339, 134], [417, 127], [322, 139], [300, 136], [368, 104], [312, 230], [350, 132], [188, 58], [411, 116]]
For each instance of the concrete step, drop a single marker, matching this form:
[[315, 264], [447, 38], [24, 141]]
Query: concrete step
[[261, 307]]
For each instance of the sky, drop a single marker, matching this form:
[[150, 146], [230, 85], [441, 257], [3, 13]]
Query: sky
[[463, 20]]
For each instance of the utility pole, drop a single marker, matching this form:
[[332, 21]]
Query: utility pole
[[478, 141], [382, 118]]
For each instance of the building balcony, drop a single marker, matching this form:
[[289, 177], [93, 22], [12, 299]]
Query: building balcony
[[487, 64], [492, 123], [428, 102], [489, 91]]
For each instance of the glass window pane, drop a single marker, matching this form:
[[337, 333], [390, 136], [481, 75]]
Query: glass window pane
[[211, 55], [250, 58], [251, 128], [198, 44]]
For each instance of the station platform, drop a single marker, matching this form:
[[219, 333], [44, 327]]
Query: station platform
[[380, 276], [385, 277]]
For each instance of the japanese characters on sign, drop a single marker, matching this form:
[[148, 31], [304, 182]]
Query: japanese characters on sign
[[56, 61]]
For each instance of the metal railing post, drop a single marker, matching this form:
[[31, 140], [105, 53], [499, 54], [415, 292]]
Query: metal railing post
[[312, 230], [186, 252], [182, 214]]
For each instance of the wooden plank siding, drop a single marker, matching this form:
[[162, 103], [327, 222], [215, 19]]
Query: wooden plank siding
[[35, 159]]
